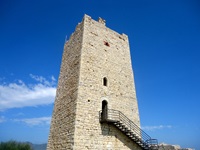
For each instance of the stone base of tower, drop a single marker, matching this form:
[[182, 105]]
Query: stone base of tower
[[107, 138]]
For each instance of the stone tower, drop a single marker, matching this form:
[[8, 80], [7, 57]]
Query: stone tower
[[96, 75]]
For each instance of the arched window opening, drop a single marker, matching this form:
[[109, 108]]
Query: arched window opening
[[104, 115], [105, 81]]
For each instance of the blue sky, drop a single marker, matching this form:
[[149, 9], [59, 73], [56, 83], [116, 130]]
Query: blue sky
[[164, 37]]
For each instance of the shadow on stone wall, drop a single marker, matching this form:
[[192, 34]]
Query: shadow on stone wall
[[120, 139]]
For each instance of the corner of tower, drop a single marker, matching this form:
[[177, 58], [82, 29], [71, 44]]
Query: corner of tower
[[124, 35], [86, 17]]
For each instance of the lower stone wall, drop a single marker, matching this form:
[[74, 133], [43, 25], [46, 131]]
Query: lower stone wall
[[108, 138]]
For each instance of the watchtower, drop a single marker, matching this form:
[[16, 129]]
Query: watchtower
[[96, 106]]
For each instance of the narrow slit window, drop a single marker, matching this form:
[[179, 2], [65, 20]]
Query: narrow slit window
[[105, 81]]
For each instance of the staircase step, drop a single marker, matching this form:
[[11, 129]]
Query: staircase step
[[141, 144], [122, 129], [118, 124], [128, 133], [134, 138]]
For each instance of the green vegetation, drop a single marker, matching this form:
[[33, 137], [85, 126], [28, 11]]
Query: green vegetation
[[13, 145]]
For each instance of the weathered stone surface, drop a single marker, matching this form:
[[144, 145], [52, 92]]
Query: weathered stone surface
[[163, 146], [92, 53]]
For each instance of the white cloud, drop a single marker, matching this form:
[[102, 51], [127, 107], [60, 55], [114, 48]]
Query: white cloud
[[151, 128], [35, 121], [16, 95], [43, 80], [53, 78]]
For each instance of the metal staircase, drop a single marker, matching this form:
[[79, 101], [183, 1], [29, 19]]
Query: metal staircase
[[129, 128]]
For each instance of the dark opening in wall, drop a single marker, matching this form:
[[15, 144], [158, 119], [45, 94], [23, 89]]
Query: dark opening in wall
[[105, 81], [104, 113], [106, 43]]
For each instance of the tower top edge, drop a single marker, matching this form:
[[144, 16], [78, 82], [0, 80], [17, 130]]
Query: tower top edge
[[101, 21]]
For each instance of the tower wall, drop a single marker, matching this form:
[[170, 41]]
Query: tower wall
[[62, 129], [93, 53]]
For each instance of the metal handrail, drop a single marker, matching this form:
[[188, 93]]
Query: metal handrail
[[117, 116]]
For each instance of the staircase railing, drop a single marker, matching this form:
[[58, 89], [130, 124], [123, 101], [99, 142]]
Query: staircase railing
[[114, 116]]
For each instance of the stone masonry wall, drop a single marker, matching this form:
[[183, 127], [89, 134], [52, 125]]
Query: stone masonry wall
[[104, 53], [93, 52], [63, 120]]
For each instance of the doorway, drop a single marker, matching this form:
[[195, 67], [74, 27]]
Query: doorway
[[104, 110]]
